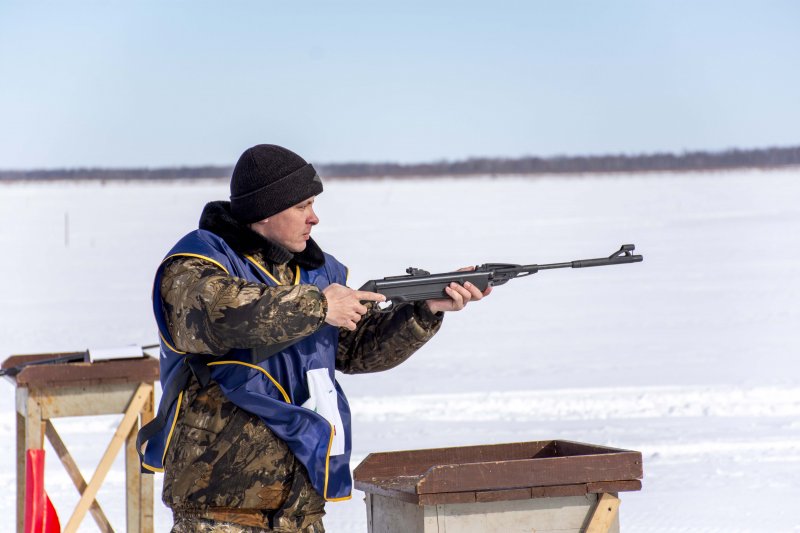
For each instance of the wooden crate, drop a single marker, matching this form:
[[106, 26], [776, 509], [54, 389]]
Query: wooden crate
[[541, 486]]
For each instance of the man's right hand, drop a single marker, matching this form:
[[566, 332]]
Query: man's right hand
[[344, 305]]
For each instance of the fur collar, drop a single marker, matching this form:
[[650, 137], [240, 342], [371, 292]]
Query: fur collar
[[217, 219]]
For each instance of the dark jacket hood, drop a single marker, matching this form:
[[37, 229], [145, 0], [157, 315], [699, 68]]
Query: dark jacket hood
[[217, 219]]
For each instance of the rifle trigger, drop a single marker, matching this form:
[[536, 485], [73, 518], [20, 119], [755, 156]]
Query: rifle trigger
[[383, 310]]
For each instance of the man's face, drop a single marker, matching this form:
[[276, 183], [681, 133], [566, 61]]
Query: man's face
[[290, 228]]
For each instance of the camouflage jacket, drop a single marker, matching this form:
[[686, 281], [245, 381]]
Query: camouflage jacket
[[223, 463]]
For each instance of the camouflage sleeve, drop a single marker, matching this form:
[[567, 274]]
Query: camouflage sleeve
[[383, 341], [208, 311]]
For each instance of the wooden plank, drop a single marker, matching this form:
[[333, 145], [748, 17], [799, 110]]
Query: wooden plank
[[407, 493], [502, 495], [444, 498], [20, 473], [138, 487], [625, 485], [417, 462], [133, 493], [84, 400], [131, 416], [75, 475], [604, 514], [531, 472], [30, 437], [569, 448], [143, 369], [34, 425], [553, 491], [146, 481], [559, 491]]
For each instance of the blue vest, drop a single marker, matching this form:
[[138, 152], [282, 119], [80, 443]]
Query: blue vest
[[273, 389]]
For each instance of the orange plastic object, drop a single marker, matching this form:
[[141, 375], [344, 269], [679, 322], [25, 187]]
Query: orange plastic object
[[40, 515]]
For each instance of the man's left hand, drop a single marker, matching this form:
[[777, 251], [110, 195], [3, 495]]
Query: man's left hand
[[460, 296]]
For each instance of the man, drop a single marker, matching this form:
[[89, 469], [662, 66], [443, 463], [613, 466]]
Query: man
[[253, 432]]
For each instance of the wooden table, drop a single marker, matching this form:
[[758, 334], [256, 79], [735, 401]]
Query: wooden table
[[525, 486], [46, 392]]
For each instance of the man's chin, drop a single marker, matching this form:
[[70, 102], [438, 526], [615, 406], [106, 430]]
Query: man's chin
[[297, 248]]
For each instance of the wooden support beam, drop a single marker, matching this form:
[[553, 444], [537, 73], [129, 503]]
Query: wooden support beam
[[20, 473], [148, 414], [604, 514], [30, 435], [138, 487], [131, 417], [133, 489], [75, 474]]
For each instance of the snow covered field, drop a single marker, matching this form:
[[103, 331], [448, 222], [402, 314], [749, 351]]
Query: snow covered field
[[690, 357]]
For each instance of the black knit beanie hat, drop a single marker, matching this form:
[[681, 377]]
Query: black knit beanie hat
[[268, 179]]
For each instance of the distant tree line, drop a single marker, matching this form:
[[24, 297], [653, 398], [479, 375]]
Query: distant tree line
[[660, 162], [142, 174]]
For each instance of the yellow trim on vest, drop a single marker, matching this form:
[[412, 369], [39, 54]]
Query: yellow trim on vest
[[265, 271], [273, 380], [169, 436], [152, 468], [286, 398], [174, 423], [171, 347], [184, 254], [187, 254], [327, 468], [261, 268]]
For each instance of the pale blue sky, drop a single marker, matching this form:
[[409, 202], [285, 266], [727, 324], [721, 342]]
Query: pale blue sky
[[155, 83]]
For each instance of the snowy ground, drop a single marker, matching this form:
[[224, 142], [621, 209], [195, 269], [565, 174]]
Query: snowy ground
[[689, 357]]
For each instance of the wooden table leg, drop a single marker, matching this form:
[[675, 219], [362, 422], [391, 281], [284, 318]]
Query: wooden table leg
[[129, 421], [148, 414], [133, 484], [20, 473], [138, 487], [604, 513], [75, 474], [30, 435]]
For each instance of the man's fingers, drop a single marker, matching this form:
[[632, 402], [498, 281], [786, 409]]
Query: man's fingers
[[473, 290], [458, 299], [369, 296], [361, 309], [466, 296]]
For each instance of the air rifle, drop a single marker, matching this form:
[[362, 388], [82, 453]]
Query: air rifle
[[420, 284]]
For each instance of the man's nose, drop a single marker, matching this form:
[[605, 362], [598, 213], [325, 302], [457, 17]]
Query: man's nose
[[313, 219]]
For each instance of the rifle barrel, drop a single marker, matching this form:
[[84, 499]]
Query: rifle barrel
[[603, 261], [549, 266], [584, 263]]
